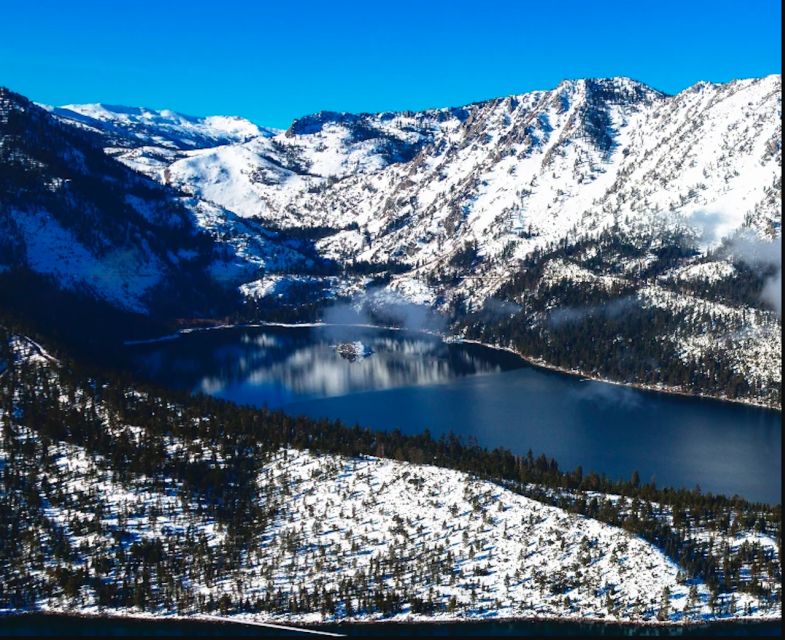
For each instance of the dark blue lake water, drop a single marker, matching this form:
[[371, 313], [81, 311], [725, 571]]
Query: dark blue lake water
[[413, 381]]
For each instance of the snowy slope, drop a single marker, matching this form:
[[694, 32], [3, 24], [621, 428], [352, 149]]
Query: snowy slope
[[113, 506], [512, 174], [265, 176], [499, 554], [357, 528], [541, 164], [90, 224]]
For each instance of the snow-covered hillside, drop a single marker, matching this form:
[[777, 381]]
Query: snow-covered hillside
[[92, 225], [505, 176], [121, 516], [468, 549], [137, 126]]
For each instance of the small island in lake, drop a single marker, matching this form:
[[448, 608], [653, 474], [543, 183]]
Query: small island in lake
[[353, 351]]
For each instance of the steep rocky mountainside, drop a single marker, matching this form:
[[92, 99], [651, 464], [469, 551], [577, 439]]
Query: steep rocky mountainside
[[90, 224], [602, 226], [509, 175]]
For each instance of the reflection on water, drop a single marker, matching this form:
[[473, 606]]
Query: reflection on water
[[413, 381], [276, 366]]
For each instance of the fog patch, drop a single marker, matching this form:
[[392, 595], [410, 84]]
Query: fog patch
[[772, 292], [502, 307], [394, 308], [571, 315], [346, 313], [499, 309], [385, 307], [711, 226], [761, 254], [605, 394]]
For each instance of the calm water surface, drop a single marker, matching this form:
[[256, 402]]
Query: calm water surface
[[413, 381]]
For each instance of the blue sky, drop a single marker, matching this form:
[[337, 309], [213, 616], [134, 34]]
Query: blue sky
[[274, 61]]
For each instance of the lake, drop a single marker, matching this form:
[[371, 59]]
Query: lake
[[64, 625], [414, 381]]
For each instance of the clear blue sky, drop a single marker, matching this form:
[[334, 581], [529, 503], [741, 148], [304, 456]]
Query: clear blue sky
[[273, 61]]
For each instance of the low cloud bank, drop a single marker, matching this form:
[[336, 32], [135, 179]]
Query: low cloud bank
[[570, 315], [761, 253], [745, 245], [386, 307]]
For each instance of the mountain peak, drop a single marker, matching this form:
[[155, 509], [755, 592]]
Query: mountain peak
[[135, 125], [314, 122], [615, 89]]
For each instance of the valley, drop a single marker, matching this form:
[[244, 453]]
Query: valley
[[119, 499], [642, 226], [412, 380], [286, 375]]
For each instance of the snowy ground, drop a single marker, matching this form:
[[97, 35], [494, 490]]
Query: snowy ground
[[447, 535]]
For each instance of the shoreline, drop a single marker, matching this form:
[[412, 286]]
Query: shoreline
[[313, 627], [633, 385], [536, 362]]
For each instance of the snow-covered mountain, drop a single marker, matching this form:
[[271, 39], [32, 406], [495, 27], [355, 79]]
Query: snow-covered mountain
[[508, 176], [597, 192], [71, 213], [512, 174], [140, 126], [601, 227]]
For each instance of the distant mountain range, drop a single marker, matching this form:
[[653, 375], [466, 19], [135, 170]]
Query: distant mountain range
[[602, 226]]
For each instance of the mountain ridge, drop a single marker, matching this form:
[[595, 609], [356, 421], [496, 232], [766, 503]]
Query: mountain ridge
[[567, 82]]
